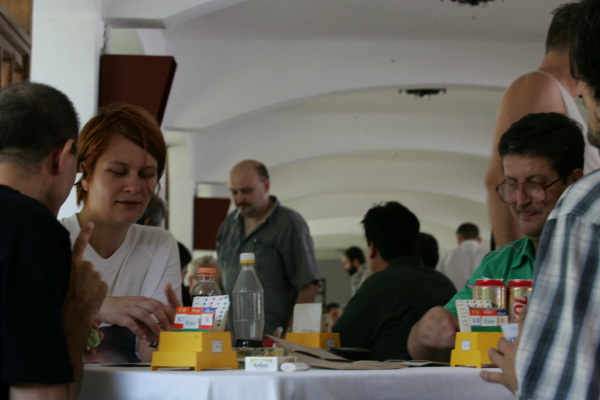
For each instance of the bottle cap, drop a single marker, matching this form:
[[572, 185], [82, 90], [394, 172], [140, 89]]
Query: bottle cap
[[247, 257]]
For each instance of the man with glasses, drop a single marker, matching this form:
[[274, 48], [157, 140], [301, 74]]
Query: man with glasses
[[551, 88], [558, 353], [541, 155]]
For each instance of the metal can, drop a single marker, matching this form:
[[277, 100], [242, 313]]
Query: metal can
[[519, 291], [492, 290]]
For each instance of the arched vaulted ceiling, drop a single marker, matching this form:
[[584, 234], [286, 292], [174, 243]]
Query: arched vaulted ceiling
[[311, 88]]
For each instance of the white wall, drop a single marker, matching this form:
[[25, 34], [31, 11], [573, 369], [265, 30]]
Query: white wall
[[65, 54], [338, 281]]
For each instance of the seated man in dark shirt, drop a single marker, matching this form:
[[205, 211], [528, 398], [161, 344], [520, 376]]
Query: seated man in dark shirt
[[49, 296], [381, 313]]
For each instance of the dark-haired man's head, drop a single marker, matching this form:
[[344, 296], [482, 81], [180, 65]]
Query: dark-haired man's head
[[34, 120], [333, 312], [551, 136], [467, 231], [392, 231], [352, 259], [331, 305], [557, 38], [428, 250], [585, 62], [38, 122], [542, 154]]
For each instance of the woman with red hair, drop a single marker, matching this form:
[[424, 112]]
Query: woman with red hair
[[122, 157]]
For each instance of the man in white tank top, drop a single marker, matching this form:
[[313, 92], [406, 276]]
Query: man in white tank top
[[549, 89]]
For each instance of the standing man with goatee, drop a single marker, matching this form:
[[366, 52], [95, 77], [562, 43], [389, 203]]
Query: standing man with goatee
[[353, 262], [279, 238]]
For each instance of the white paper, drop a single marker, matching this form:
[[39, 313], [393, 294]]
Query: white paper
[[462, 309], [307, 317], [511, 331], [291, 367], [220, 304]]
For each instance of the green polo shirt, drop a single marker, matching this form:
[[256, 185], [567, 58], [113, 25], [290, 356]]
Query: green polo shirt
[[514, 260]]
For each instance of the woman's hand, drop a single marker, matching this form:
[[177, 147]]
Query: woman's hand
[[144, 316]]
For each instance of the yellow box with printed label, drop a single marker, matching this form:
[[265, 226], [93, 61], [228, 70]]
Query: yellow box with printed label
[[194, 350], [471, 348]]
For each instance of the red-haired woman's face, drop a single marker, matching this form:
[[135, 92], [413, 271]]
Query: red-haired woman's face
[[121, 184]]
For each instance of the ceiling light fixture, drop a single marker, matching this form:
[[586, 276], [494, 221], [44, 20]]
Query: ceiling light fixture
[[424, 93], [471, 2]]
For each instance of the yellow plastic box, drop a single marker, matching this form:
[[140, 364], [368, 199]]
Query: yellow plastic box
[[195, 350], [471, 348]]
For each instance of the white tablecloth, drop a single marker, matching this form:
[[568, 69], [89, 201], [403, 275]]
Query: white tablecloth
[[136, 383]]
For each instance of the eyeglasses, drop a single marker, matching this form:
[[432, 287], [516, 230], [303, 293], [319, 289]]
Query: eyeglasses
[[508, 191]]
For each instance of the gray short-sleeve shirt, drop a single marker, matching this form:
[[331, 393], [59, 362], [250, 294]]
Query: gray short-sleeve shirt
[[285, 260]]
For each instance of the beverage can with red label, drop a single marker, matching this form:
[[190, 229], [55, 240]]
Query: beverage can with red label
[[519, 291], [492, 290]]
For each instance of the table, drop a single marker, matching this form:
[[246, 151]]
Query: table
[[139, 383]]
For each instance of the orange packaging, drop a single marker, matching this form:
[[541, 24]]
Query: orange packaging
[[475, 314]]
